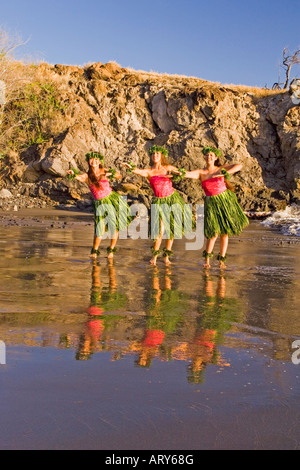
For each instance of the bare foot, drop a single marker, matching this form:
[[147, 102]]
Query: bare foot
[[153, 261], [222, 265], [110, 252], [94, 254], [206, 264], [167, 261]]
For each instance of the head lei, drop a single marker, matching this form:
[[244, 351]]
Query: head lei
[[91, 155], [216, 151], [156, 148]]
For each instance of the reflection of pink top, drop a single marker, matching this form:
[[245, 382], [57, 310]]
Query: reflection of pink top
[[153, 338], [207, 339], [95, 328], [161, 186], [214, 186], [103, 190]]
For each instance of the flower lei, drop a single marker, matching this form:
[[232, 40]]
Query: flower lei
[[176, 178], [132, 167], [113, 173], [212, 149], [91, 155], [167, 253], [156, 148], [225, 174], [75, 173]]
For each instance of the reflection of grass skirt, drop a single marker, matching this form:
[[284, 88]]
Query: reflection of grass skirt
[[108, 301], [174, 213], [223, 215], [111, 214]]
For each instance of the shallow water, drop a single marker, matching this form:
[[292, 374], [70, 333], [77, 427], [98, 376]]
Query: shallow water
[[286, 221], [127, 356]]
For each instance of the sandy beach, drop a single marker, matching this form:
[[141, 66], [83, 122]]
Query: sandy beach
[[126, 356]]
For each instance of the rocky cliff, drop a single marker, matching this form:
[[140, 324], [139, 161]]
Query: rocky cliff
[[122, 112]]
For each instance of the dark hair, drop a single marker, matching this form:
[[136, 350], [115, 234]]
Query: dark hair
[[92, 176], [218, 154]]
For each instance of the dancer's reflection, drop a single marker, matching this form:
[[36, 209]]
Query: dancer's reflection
[[165, 311], [102, 300], [215, 314]]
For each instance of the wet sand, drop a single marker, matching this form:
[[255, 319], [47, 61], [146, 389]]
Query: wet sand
[[125, 356]]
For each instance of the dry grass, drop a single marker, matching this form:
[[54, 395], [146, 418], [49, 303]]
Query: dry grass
[[114, 70], [31, 106], [256, 91]]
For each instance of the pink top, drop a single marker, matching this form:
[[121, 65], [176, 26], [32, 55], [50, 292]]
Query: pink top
[[214, 186], [103, 190], [161, 186]]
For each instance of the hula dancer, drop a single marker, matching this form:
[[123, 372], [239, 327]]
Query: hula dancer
[[168, 210], [223, 215], [106, 201]]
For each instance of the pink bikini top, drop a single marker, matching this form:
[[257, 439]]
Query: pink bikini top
[[214, 186], [161, 186], [103, 190]]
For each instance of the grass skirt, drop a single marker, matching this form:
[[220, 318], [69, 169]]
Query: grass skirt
[[111, 214], [175, 215], [223, 215]]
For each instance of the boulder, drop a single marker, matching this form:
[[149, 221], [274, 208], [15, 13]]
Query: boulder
[[5, 193]]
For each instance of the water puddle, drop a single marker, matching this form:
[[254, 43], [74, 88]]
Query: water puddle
[[125, 351]]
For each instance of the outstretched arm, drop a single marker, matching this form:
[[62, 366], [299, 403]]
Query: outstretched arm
[[194, 174], [136, 171], [179, 174], [83, 178], [112, 172], [232, 168]]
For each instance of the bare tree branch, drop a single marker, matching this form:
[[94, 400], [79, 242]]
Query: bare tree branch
[[288, 61]]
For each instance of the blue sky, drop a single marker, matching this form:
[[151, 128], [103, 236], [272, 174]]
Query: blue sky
[[239, 42]]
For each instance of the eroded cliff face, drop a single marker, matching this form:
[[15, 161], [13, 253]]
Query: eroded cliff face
[[121, 113]]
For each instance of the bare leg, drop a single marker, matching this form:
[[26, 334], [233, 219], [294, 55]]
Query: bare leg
[[156, 246], [223, 244], [113, 245], [96, 244], [223, 248], [169, 244], [209, 249]]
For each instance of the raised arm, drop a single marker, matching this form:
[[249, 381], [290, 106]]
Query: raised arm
[[232, 168]]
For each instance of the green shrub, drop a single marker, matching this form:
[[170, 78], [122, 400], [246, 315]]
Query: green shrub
[[28, 116]]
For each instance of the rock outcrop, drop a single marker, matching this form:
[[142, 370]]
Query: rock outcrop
[[121, 113]]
